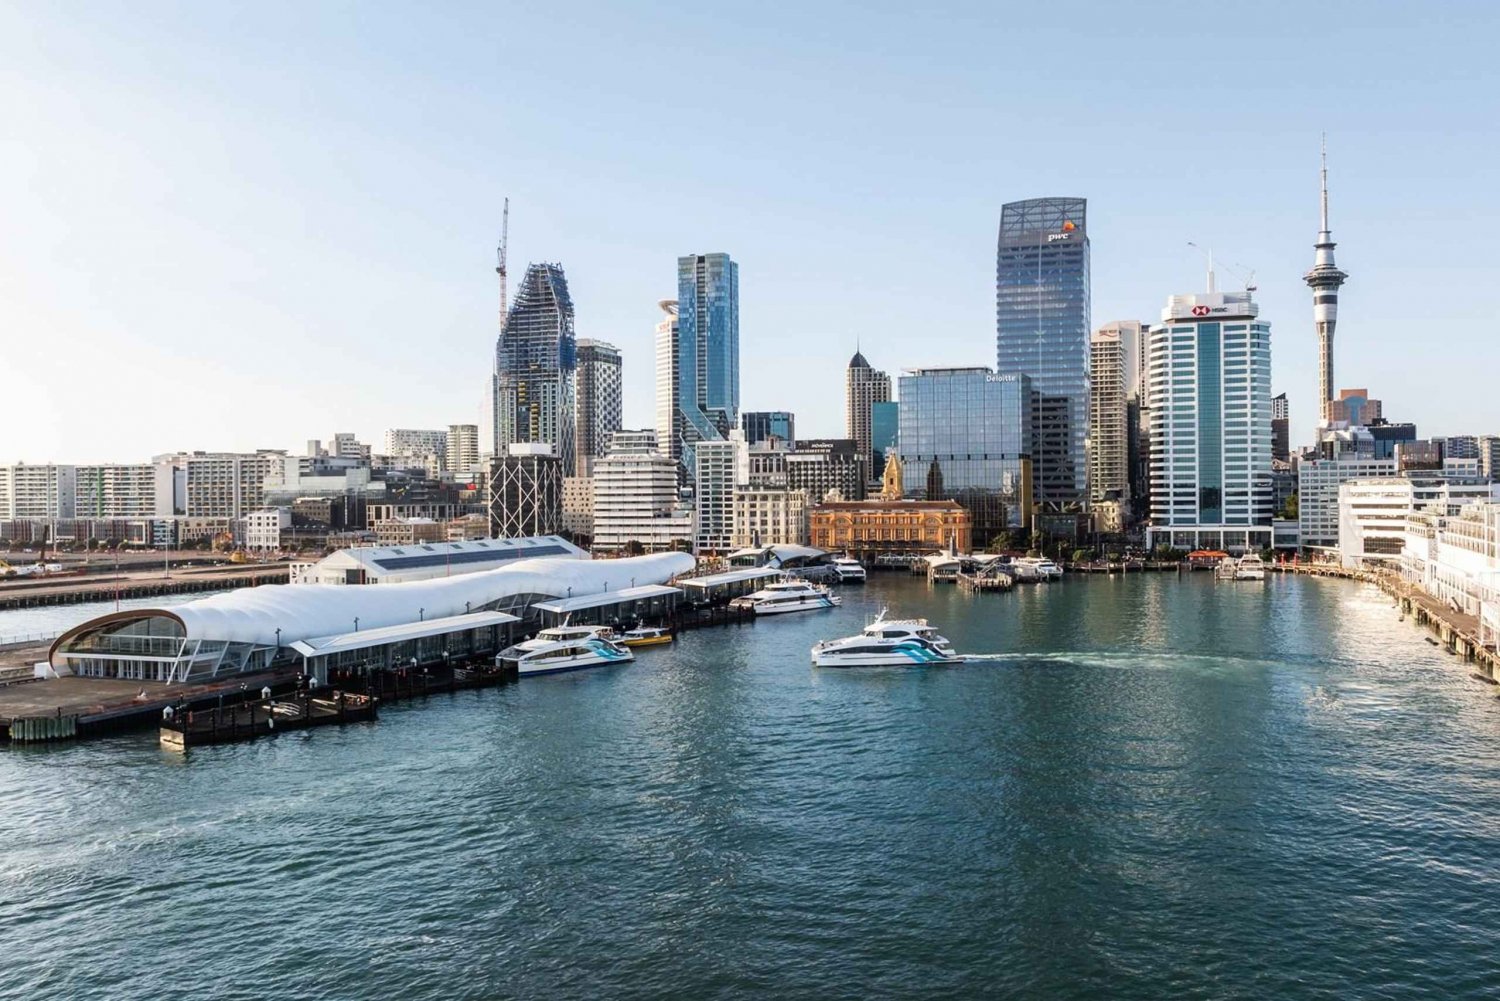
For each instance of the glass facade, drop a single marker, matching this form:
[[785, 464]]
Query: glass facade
[[536, 359], [1042, 331], [708, 351], [965, 433], [885, 423], [762, 425]]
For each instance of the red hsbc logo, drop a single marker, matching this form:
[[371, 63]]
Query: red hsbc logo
[[1200, 310]]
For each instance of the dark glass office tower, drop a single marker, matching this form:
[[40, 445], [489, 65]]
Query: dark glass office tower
[[1042, 331], [708, 352], [535, 367]]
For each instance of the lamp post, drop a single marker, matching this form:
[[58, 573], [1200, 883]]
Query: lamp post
[[421, 615], [356, 623]]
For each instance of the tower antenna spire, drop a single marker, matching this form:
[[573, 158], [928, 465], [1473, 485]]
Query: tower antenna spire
[[500, 261], [1325, 182]]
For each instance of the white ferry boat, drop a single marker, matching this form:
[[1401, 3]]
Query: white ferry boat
[[1250, 567], [789, 596], [887, 643], [565, 648], [850, 570], [1032, 568]]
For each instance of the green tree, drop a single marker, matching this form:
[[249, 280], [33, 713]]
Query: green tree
[[1289, 509]]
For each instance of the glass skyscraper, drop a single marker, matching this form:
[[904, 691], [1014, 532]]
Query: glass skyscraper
[[761, 425], [964, 435], [1042, 331], [535, 363], [707, 369]]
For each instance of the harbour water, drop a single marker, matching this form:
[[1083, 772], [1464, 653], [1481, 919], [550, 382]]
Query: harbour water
[[1155, 787]]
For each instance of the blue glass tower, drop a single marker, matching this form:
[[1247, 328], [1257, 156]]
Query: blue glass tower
[[1042, 331], [708, 352]]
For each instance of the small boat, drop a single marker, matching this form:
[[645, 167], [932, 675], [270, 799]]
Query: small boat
[[1226, 568], [887, 643], [1250, 567], [564, 648], [850, 570], [788, 596], [646, 636]]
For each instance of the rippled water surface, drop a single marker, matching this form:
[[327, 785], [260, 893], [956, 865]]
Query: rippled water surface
[[1155, 788]]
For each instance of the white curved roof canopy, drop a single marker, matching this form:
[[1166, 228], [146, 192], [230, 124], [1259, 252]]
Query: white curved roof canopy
[[306, 611]]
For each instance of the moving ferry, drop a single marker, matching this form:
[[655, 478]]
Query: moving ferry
[[565, 648], [789, 596], [887, 643], [850, 570]]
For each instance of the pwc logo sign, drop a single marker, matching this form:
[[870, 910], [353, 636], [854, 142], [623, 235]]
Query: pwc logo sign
[[1200, 310], [1067, 227]]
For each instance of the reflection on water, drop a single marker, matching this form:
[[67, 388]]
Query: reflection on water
[[1147, 787]]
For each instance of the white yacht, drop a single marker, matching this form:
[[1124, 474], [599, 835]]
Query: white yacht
[[1030, 568], [1250, 567], [1226, 569], [850, 570], [788, 596], [565, 648], [887, 643]]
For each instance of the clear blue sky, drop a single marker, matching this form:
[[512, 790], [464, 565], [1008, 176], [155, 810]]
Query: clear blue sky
[[236, 228]]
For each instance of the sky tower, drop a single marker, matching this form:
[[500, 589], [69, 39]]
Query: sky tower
[[1324, 279]]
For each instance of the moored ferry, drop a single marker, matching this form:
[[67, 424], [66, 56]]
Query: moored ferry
[[850, 570], [1250, 567], [788, 596], [564, 648], [646, 636]]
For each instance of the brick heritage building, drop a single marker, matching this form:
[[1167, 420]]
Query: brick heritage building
[[906, 527]]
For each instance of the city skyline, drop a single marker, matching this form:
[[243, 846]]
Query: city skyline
[[361, 248]]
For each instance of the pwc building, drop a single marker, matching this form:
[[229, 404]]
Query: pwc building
[[1042, 332]]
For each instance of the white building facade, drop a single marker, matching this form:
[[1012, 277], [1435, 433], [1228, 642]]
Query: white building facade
[[722, 465], [636, 497], [1209, 384], [263, 528]]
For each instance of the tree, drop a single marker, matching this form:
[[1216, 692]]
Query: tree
[[633, 547], [1289, 508]]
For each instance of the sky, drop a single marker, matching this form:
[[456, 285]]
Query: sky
[[226, 227]]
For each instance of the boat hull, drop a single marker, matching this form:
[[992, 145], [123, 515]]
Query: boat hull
[[532, 670], [647, 641], [801, 606], [881, 660]]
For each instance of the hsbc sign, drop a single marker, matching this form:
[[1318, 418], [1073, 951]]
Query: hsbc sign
[[1200, 310]]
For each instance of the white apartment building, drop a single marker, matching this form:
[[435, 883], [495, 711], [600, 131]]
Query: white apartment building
[[44, 492], [263, 528], [721, 466], [1113, 354], [635, 496], [1209, 383], [771, 516], [138, 490], [416, 442], [228, 485]]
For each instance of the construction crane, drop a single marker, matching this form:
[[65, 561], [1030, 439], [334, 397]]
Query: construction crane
[[500, 260], [1247, 274]]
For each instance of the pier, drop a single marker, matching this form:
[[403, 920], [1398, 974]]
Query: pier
[[42, 592], [182, 729]]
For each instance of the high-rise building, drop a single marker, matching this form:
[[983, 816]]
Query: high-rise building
[[722, 465], [347, 446], [668, 386], [1325, 279], [965, 434], [1111, 363], [1489, 456], [524, 495], [863, 388], [1210, 391], [636, 497], [228, 485], [1281, 440], [703, 400], [600, 401], [535, 365], [1460, 446], [763, 425], [1042, 332], [463, 447]]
